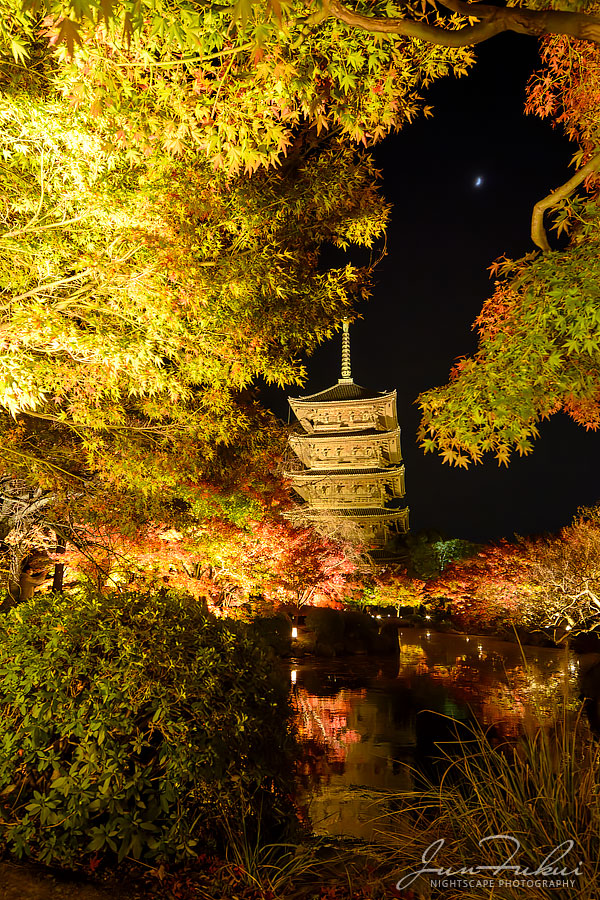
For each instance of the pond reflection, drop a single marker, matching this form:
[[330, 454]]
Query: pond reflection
[[368, 726]]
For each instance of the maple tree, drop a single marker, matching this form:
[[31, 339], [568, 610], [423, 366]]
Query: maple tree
[[566, 569], [284, 564], [407, 584], [391, 587], [253, 88], [234, 85], [141, 301], [171, 173], [235, 82], [230, 565], [492, 588], [135, 297], [549, 584], [186, 22], [232, 545], [311, 568]]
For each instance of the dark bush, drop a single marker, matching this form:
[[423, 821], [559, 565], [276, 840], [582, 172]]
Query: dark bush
[[327, 623], [135, 725], [275, 631], [328, 627], [360, 626], [342, 631]]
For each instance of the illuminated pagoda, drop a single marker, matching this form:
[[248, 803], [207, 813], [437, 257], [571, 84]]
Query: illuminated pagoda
[[348, 463]]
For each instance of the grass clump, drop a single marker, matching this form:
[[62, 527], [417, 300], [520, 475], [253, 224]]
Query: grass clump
[[543, 791]]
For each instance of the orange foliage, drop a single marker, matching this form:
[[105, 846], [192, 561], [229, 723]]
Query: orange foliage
[[216, 559], [567, 88], [491, 588]]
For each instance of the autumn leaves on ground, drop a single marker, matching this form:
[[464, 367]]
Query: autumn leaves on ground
[[170, 176]]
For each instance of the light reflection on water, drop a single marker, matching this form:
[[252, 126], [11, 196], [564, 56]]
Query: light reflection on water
[[365, 722]]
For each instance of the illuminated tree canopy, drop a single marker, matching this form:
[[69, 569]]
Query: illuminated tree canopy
[[456, 24], [236, 86], [141, 301], [231, 85], [234, 82]]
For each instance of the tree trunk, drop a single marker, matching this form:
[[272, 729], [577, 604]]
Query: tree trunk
[[59, 568]]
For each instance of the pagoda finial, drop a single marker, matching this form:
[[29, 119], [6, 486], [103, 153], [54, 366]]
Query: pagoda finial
[[346, 370]]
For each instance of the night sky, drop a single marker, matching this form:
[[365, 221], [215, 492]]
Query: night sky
[[445, 231]]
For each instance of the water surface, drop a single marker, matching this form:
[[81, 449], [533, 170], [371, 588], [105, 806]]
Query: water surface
[[367, 723]]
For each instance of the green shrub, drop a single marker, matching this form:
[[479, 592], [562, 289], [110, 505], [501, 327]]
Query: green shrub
[[135, 725]]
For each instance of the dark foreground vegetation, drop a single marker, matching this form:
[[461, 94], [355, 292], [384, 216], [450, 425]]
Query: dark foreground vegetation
[[148, 752], [140, 727], [147, 748]]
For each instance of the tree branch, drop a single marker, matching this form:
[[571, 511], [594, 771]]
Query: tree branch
[[41, 462], [494, 20], [41, 288], [538, 232]]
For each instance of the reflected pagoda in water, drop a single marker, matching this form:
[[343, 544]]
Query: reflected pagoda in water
[[347, 466]]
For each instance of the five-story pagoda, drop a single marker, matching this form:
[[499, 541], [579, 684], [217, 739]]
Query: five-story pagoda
[[350, 464]]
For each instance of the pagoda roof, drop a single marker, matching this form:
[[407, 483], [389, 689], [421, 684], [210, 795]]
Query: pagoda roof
[[362, 512], [387, 471], [344, 391], [356, 435]]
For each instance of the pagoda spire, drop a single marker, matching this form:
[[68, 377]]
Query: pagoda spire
[[346, 369]]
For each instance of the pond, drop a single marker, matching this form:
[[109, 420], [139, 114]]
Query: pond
[[369, 726]]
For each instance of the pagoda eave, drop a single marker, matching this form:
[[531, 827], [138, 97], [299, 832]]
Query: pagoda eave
[[355, 435], [348, 469], [312, 400], [366, 515], [381, 474]]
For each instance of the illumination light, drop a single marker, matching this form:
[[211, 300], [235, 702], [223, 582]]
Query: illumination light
[[567, 628], [293, 675], [294, 633], [427, 617]]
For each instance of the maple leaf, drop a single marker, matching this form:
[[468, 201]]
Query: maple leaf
[[69, 34], [449, 456]]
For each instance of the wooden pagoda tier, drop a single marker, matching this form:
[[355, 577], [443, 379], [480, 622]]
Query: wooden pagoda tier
[[348, 461], [349, 449], [349, 488], [377, 526], [346, 406]]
